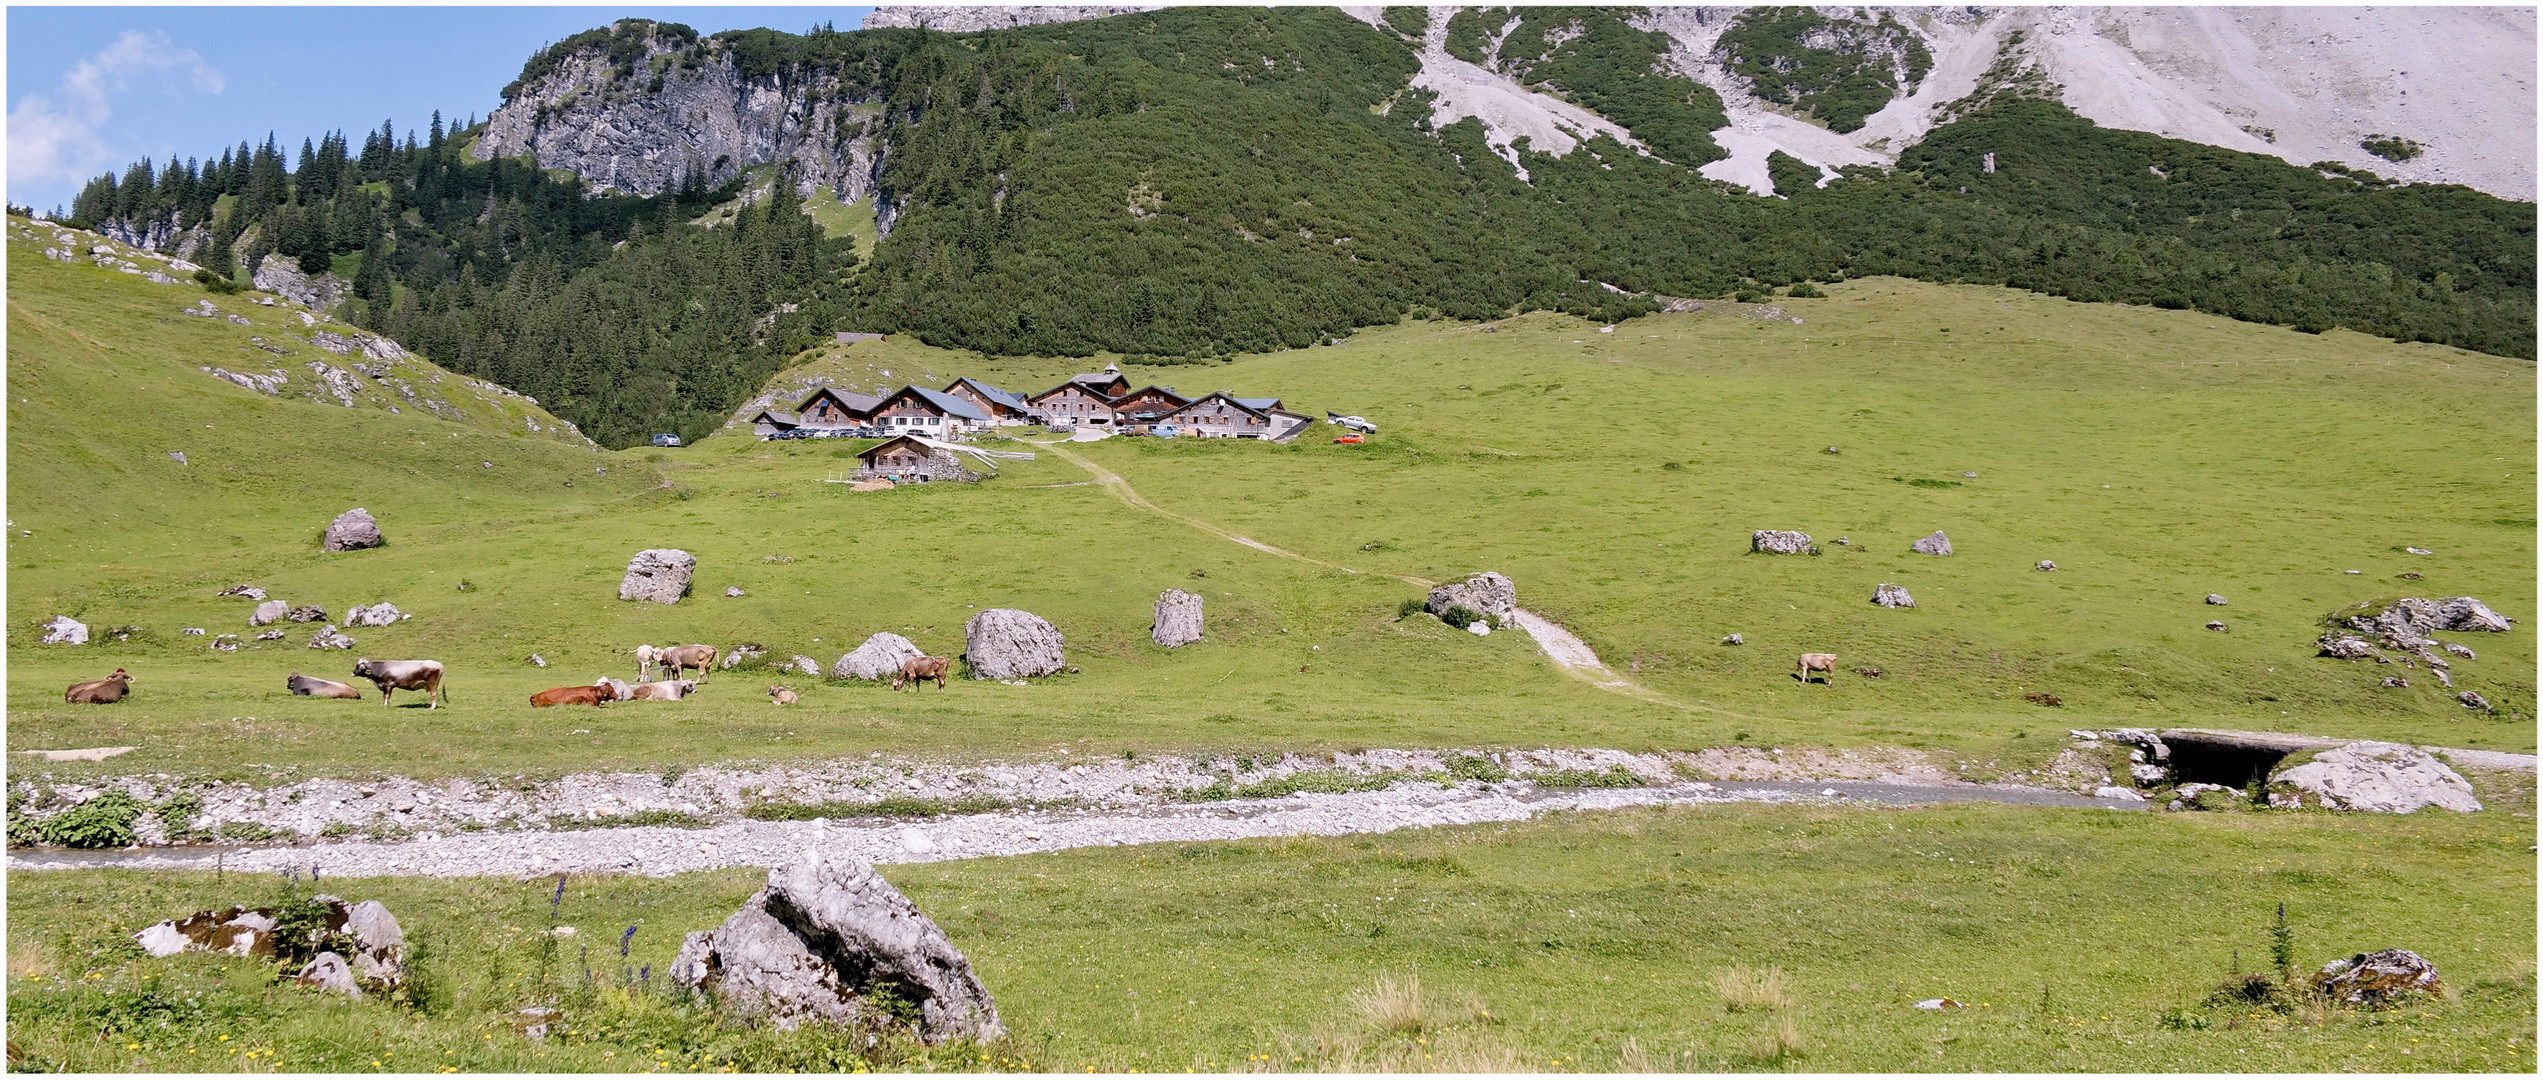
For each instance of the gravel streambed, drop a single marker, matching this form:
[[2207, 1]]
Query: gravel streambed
[[657, 851]]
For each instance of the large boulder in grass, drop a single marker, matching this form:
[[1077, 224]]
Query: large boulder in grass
[[1178, 619], [2412, 617], [2381, 778], [879, 658], [660, 575], [1937, 544], [366, 943], [822, 940], [1778, 542], [1486, 593], [2377, 978], [1892, 596], [1004, 643], [352, 530]]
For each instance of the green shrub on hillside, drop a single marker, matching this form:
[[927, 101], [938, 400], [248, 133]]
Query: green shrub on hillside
[[1851, 71]]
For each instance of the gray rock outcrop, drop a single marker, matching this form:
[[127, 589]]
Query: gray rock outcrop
[[380, 614], [1004, 643], [2377, 978], [65, 630], [1937, 544], [307, 613], [2471, 700], [2382, 778], [2216, 600], [2045, 565], [1178, 619], [352, 530], [330, 639], [659, 575], [1778, 542], [821, 939], [804, 665], [963, 20], [2411, 618], [2343, 647], [365, 942], [622, 130], [1892, 596], [281, 276], [880, 657], [268, 612], [1486, 593]]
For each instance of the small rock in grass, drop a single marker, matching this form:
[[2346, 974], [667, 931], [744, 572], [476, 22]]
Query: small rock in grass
[[1892, 596], [2344, 647], [1869, 672], [2045, 565], [2215, 625], [1734, 639], [1479, 628], [2419, 551], [2391, 682], [2216, 600], [65, 630], [1937, 544], [1778, 542], [1938, 1003], [307, 613], [2472, 700], [352, 530], [177, 456], [537, 660], [735, 591], [192, 631], [2461, 650], [275, 634], [2377, 978]]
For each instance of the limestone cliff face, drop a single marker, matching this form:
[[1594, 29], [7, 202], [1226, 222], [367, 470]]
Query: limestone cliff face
[[958, 20], [640, 125]]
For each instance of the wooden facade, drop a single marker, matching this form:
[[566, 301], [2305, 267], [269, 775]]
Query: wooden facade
[[1144, 408], [830, 406], [1219, 416], [1073, 404], [903, 459], [1002, 407]]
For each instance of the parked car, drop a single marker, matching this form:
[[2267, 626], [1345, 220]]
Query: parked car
[[1354, 437], [666, 439]]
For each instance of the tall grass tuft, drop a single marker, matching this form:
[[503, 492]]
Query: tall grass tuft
[[1394, 1006], [1749, 989]]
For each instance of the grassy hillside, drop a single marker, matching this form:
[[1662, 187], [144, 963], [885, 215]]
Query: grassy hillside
[[1579, 944], [1616, 476]]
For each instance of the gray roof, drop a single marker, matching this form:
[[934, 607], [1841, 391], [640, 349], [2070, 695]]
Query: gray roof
[[854, 401], [774, 416], [1258, 404], [1008, 398], [947, 403]]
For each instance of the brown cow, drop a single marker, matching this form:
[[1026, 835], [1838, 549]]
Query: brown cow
[[781, 695], [1825, 663], [920, 670], [571, 695], [106, 691], [680, 658], [312, 686]]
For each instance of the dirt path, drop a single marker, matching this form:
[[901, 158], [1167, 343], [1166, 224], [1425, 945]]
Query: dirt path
[[1568, 652]]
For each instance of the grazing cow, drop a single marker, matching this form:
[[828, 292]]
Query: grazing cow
[[1824, 663], [388, 675], [921, 669], [781, 695], [106, 691], [666, 690], [312, 686], [572, 695], [680, 658]]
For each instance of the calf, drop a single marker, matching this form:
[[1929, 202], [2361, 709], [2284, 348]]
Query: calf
[[311, 686], [666, 690], [680, 658], [781, 695], [106, 691], [920, 670], [1824, 663], [388, 675], [645, 657], [571, 695]]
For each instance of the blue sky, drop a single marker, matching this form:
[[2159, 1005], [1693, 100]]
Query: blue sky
[[93, 88]]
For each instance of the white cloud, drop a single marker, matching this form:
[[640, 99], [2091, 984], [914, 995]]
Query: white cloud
[[59, 136]]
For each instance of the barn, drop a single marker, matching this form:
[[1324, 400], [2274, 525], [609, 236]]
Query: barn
[[906, 459]]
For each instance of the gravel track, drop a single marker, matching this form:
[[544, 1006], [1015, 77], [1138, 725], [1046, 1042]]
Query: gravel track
[[655, 851]]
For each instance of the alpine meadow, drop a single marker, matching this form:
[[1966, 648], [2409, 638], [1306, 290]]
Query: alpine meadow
[[1296, 539]]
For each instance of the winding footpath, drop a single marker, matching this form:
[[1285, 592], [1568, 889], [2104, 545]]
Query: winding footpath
[[1569, 653]]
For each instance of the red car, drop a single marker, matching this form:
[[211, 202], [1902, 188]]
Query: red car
[[1352, 438]]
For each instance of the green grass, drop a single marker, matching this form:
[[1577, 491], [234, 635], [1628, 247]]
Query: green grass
[[1575, 943], [837, 218], [2157, 456]]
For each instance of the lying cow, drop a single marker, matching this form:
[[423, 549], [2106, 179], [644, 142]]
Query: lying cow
[[666, 690], [781, 695], [921, 669], [106, 691], [619, 689], [388, 675], [312, 686], [572, 695], [680, 658], [1822, 663]]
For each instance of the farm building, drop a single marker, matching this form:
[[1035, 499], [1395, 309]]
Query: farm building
[[1222, 415], [914, 410], [1073, 404], [906, 458], [1004, 408], [830, 406], [770, 421], [1141, 409]]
